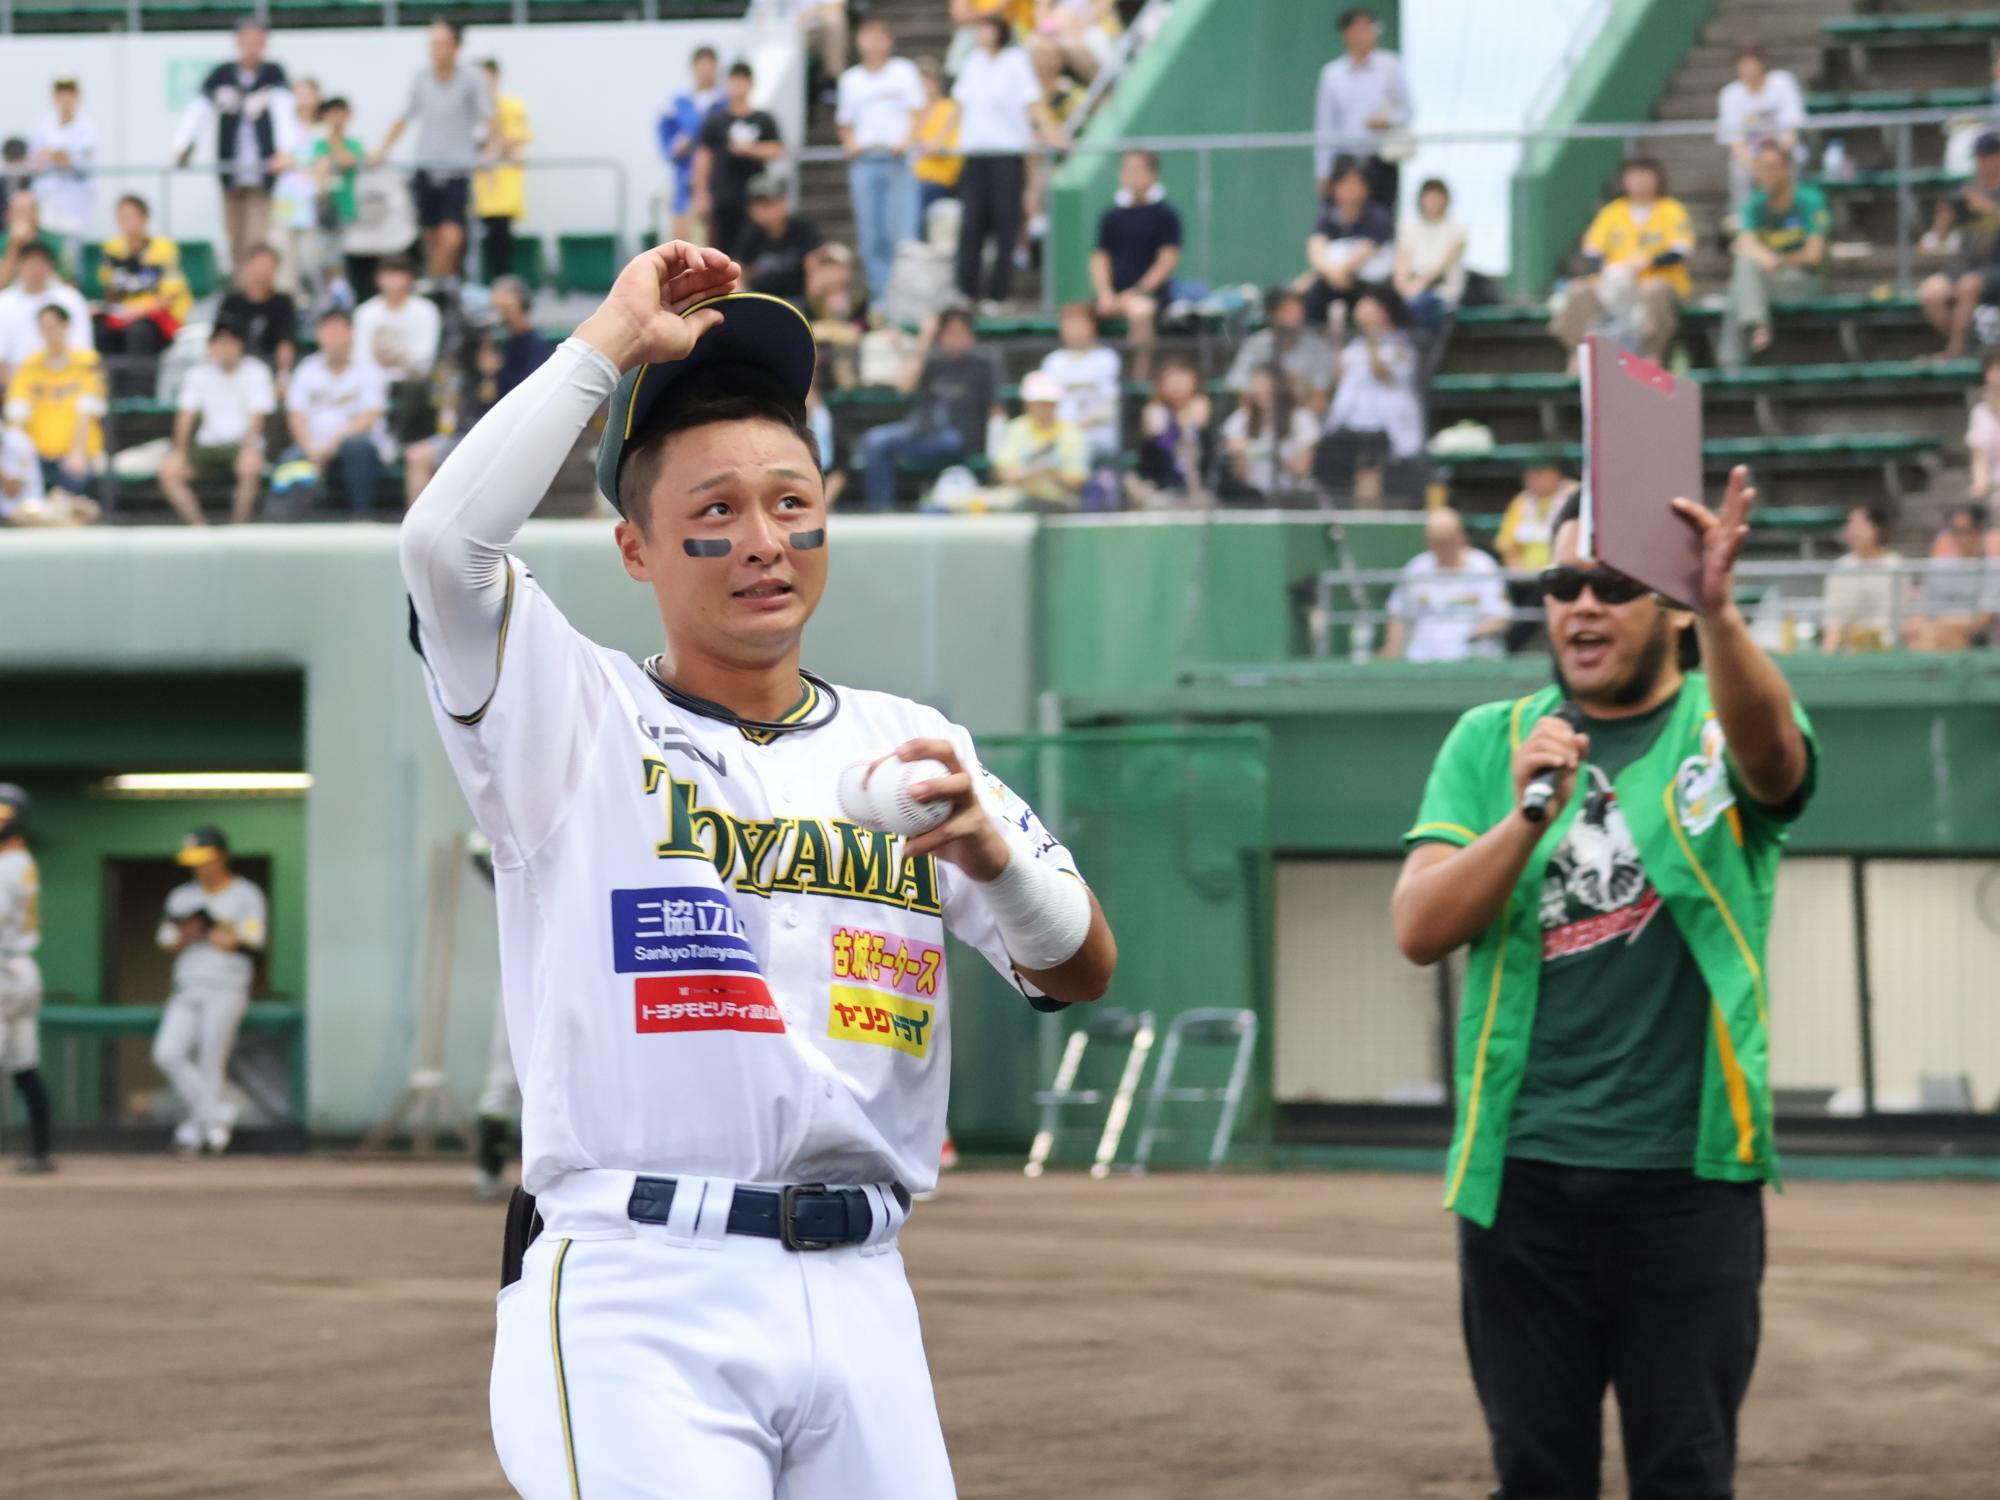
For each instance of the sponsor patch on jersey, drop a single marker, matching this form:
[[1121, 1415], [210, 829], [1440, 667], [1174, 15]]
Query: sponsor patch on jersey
[[890, 963], [706, 1002], [678, 929], [864, 1015]]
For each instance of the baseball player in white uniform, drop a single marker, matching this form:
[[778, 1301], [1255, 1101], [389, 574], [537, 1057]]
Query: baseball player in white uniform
[[500, 1095], [727, 997], [20, 976], [214, 926]]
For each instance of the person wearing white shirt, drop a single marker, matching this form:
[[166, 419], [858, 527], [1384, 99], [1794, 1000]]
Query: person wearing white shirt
[[20, 472], [880, 97], [1430, 257], [60, 153], [1088, 374], [219, 427], [1269, 439], [1760, 104], [1362, 97], [333, 409], [1001, 109], [1452, 602], [395, 329], [1375, 413], [36, 287]]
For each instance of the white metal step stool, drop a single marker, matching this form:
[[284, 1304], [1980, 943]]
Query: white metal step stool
[[1107, 1025], [1211, 1026]]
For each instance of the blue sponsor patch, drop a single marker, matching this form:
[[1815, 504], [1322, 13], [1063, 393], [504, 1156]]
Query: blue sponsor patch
[[678, 929]]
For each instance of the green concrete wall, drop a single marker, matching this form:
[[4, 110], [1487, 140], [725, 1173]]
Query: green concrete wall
[[1560, 184], [1218, 67]]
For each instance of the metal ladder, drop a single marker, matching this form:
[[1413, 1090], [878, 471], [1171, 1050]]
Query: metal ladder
[[1212, 1026], [1105, 1024]]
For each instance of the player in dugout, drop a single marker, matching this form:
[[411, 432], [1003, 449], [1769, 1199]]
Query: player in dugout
[[721, 946], [1614, 1099]]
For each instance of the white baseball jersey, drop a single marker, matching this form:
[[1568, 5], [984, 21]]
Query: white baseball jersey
[[706, 970], [201, 966], [20, 904], [20, 976]]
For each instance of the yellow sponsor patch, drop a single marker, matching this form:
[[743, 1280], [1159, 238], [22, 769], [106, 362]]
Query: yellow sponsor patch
[[864, 1015]]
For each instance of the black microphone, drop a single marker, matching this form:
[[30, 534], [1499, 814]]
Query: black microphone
[[1542, 788]]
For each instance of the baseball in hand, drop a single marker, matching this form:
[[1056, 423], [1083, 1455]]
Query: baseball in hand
[[876, 794]]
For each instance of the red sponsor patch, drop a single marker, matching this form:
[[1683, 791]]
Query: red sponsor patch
[[705, 1002]]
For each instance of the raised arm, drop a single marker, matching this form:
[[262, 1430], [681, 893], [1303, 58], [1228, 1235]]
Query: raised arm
[[455, 537]]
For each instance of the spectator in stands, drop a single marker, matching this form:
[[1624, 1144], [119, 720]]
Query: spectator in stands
[[778, 246], [1451, 604], [823, 21], [934, 147], [395, 329], [1971, 219], [1269, 439], [13, 172], [57, 397], [679, 130], [523, 347], [500, 187], [464, 396], [38, 286], [1760, 105], [820, 420], [1779, 253], [1291, 343], [1961, 593], [1363, 95], [967, 17], [1176, 460], [1527, 528], [880, 99], [20, 475], [453, 110], [267, 318], [838, 311], [337, 159], [738, 141], [249, 102], [1430, 257], [956, 386], [61, 151], [1001, 112], [146, 297], [1862, 598], [219, 428], [295, 200], [1076, 37], [1376, 417], [1087, 378], [1351, 250], [1138, 248], [334, 412], [1638, 247], [1041, 463], [1982, 433]]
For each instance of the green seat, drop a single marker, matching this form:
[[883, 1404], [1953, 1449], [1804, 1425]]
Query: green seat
[[524, 260], [1798, 518], [86, 274], [1926, 28], [1889, 181], [586, 262], [1756, 377], [1864, 101], [1718, 453], [198, 265]]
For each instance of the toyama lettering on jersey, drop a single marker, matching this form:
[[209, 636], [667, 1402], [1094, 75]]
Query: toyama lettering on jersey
[[816, 858]]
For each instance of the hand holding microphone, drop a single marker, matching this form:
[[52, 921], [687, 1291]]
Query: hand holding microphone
[[1546, 765]]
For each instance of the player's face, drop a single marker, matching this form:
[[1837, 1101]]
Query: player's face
[[754, 485], [1606, 653]]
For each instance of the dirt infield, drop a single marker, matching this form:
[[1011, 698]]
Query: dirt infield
[[321, 1329]]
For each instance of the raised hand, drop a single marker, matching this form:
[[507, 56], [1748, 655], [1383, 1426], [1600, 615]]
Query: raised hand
[[645, 319], [1721, 538]]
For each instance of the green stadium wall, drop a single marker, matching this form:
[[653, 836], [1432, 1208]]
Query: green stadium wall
[[1218, 67], [1560, 184]]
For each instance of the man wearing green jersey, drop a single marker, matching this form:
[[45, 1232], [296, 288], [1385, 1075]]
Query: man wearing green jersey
[[1614, 1103]]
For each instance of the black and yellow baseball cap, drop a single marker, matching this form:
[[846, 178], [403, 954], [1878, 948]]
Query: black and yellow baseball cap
[[203, 846], [766, 332]]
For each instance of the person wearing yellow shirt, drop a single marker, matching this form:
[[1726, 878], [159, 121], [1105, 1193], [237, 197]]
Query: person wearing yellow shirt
[[1527, 528], [1041, 463], [57, 399], [934, 142], [499, 189], [1638, 246], [146, 297]]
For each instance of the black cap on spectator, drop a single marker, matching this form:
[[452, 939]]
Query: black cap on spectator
[[765, 185], [1987, 144]]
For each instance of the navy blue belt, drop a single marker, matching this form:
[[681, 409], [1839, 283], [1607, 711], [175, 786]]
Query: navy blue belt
[[807, 1217]]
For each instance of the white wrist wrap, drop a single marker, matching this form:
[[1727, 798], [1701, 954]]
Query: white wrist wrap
[[1043, 915]]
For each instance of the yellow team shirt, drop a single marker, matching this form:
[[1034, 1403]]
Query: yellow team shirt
[[132, 275], [47, 403], [501, 192], [1615, 235], [937, 130], [1527, 525]]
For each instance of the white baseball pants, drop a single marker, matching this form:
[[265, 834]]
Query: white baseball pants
[[192, 1049], [636, 1369], [20, 1014]]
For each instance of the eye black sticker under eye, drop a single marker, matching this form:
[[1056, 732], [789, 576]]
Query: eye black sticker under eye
[[806, 541], [707, 546]]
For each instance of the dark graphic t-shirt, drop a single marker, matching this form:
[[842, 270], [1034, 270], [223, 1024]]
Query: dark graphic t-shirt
[[1621, 1027]]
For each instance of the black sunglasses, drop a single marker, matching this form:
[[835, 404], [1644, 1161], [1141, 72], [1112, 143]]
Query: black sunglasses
[[1566, 584]]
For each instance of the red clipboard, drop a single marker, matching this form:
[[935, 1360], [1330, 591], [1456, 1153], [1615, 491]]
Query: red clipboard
[[1641, 450]]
